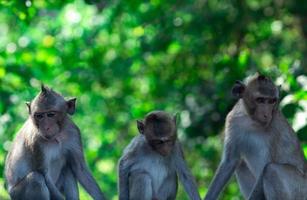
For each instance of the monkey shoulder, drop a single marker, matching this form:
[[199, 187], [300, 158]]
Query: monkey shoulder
[[281, 125], [178, 150], [71, 127], [284, 133], [26, 129], [17, 162], [286, 142], [136, 147], [237, 123], [70, 134], [139, 154], [18, 150], [236, 113], [130, 152]]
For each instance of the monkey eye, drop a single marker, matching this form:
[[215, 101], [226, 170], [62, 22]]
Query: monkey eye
[[156, 142], [51, 114], [38, 116], [161, 142], [272, 101], [260, 100]]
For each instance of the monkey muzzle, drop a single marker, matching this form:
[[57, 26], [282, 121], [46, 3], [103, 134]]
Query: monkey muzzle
[[49, 138]]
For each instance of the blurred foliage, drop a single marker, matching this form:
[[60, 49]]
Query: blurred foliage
[[122, 59]]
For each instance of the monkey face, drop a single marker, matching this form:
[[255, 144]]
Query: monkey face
[[163, 146], [260, 97], [48, 123], [264, 108], [159, 129], [48, 111]]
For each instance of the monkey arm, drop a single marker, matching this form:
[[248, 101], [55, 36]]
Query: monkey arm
[[257, 192], [185, 175], [82, 173], [123, 176], [54, 192], [84, 176], [225, 170], [222, 175]]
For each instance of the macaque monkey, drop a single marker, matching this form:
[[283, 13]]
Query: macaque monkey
[[150, 164], [46, 159], [259, 140]]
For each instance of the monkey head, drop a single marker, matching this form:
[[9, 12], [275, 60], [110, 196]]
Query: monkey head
[[159, 129], [48, 110], [260, 97]]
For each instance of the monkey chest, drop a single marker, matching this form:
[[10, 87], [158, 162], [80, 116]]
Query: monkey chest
[[163, 176], [256, 152], [54, 160]]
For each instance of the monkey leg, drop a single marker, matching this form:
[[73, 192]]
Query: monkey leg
[[267, 184], [283, 181], [31, 187], [140, 186], [272, 183]]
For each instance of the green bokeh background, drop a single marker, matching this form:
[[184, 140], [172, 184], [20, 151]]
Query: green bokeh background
[[122, 59]]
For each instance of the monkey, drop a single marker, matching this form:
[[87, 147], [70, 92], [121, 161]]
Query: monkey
[[46, 160], [257, 139], [150, 164]]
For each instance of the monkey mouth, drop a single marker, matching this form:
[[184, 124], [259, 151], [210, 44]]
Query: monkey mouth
[[164, 153], [264, 123], [49, 138]]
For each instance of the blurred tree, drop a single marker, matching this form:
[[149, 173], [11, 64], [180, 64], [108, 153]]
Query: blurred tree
[[123, 59]]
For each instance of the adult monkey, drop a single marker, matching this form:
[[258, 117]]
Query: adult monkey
[[46, 158], [257, 134], [150, 164]]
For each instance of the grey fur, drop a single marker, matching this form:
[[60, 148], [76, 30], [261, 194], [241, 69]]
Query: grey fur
[[146, 175], [36, 168], [250, 147]]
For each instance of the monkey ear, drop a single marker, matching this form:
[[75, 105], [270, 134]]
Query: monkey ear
[[71, 106], [261, 77], [238, 89], [43, 88], [278, 90], [141, 126], [28, 103]]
